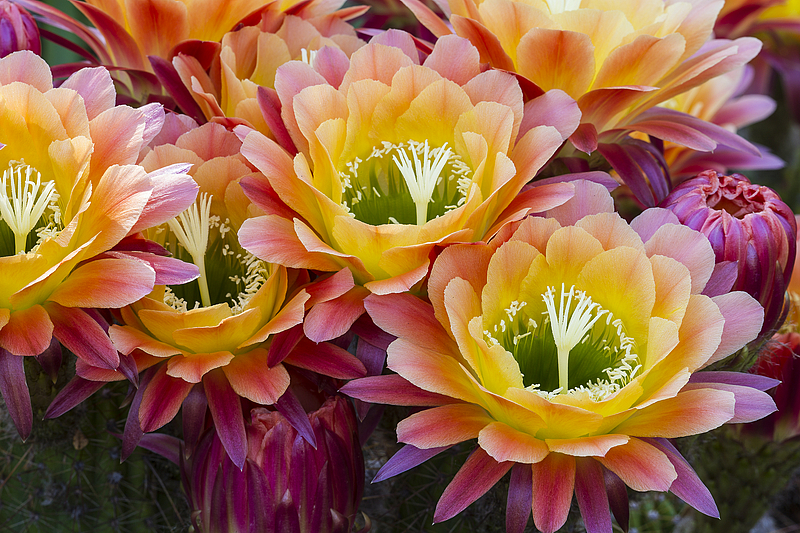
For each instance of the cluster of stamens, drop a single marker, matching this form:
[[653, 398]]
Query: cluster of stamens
[[424, 171], [23, 201], [568, 324]]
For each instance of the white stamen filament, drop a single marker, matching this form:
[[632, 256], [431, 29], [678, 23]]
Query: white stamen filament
[[191, 228], [421, 176], [23, 209], [569, 328], [308, 56]]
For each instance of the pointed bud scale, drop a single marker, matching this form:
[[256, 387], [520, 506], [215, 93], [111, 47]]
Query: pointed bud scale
[[746, 223], [286, 484], [18, 30]]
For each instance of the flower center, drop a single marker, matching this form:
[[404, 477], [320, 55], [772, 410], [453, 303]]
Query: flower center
[[406, 183], [23, 203], [569, 349], [228, 274], [308, 56]]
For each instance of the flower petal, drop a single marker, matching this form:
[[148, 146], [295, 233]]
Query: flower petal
[[553, 482]]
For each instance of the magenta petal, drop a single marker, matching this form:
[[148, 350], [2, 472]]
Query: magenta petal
[[617, 494], [722, 278], [174, 86], [687, 486], [283, 343], [83, 336], [406, 458], [393, 389], [50, 359], [554, 108], [629, 172], [366, 329], [478, 474], [15, 392], [133, 430], [193, 414], [371, 356], [289, 406], [520, 498], [755, 381], [590, 491], [173, 192], [169, 271], [166, 446], [72, 394], [127, 367], [332, 63], [226, 410], [327, 359], [270, 106]]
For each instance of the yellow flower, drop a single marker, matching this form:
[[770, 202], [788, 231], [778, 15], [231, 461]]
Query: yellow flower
[[70, 192], [397, 159], [249, 58], [567, 346]]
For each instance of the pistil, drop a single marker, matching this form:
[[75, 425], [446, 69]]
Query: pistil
[[26, 203], [569, 326], [421, 176], [191, 228]]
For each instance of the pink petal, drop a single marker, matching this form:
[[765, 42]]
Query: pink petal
[[478, 474], [554, 108], [27, 332], [590, 491], [226, 410], [15, 392], [289, 406], [641, 466], [393, 390], [454, 58], [71, 395], [687, 486], [173, 192], [589, 198], [520, 499], [553, 482], [649, 220], [95, 87], [161, 400], [332, 319], [80, 334], [443, 426], [327, 359], [405, 459], [743, 319], [106, 283]]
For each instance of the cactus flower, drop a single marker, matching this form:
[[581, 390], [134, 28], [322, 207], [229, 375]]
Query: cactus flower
[[569, 347], [394, 159], [286, 485], [70, 193], [748, 224]]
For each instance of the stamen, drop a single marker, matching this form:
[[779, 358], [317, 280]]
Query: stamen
[[23, 209], [569, 327], [191, 228], [421, 176], [308, 56]]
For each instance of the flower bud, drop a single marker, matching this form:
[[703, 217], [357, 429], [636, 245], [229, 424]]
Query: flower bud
[[286, 485], [745, 223], [18, 30]]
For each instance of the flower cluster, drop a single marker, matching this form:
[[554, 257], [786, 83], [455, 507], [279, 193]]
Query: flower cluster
[[517, 220]]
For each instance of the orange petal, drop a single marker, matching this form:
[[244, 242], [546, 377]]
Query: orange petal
[[27, 332], [687, 246], [443, 426], [689, 413], [106, 283], [466, 261], [642, 62], [505, 443], [127, 339], [251, 378], [553, 483], [641, 466], [192, 367], [596, 446], [556, 59]]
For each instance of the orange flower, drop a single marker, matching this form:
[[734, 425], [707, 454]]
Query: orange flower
[[249, 58], [569, 348], [394, 160], [71, 192], [214, 335]]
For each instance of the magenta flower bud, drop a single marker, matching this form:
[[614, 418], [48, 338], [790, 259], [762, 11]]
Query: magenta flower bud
[[18, 30], [779, 360], [286, 485], [745, 223]]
